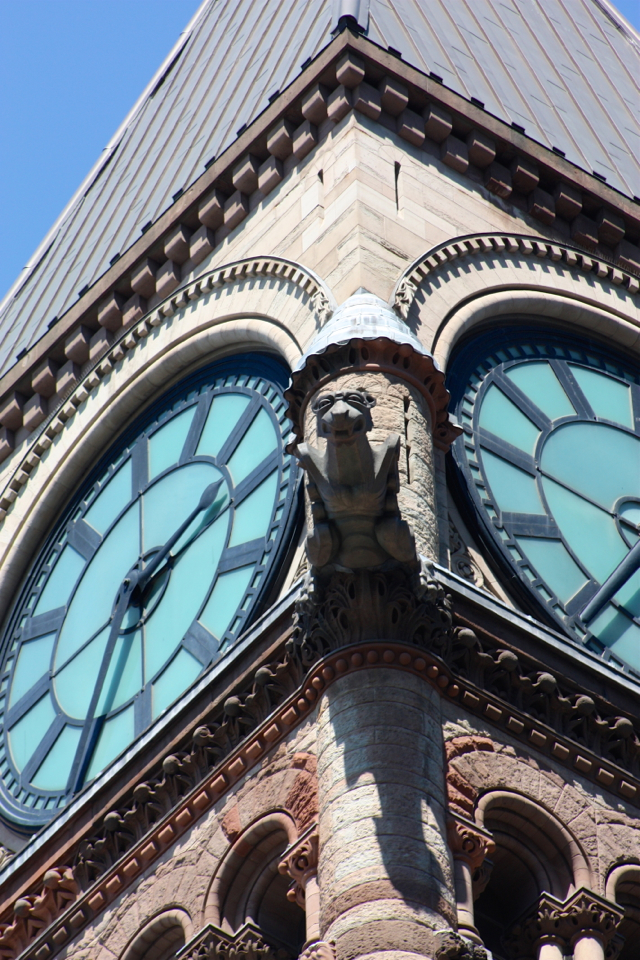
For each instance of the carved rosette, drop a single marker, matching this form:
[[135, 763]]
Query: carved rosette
[[552, 921], [468, 842], [301, 863]]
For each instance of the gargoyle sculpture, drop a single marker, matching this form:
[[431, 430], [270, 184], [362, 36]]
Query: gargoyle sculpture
[[353, 489]]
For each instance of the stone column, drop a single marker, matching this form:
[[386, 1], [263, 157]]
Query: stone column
[[301, 864], [470, 846], [384, 873]]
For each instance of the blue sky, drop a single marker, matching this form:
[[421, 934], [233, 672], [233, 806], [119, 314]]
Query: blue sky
[[70, 70]]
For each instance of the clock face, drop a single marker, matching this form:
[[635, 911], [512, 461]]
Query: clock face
[[550, 459], [104, 637]]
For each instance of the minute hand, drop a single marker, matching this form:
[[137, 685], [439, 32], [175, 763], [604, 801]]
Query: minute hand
[[207, 498], [612, 584]]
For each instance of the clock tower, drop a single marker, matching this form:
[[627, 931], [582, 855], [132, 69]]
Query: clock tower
[[320, 501]]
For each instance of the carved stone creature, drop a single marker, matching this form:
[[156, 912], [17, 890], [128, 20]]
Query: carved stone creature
[[352, 488]]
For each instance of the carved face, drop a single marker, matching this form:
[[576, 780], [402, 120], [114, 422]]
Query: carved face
[[343, 415]]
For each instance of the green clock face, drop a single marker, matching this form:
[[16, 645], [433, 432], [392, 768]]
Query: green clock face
[[550, 457], [151, 577]]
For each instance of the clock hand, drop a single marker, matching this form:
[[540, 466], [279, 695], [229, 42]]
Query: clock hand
[[612, 584], [206, 500]]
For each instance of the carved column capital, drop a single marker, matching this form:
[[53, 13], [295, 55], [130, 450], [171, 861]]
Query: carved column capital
[[301, 864], [565, 923], [468, 842]]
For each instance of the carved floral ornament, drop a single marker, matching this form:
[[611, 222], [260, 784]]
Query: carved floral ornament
[[301, 864]]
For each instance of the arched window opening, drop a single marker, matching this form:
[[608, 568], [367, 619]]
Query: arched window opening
[[248, 887], [161, 938], [623, 886], [534, 854]]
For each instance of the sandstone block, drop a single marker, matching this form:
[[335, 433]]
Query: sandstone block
[[99, 344], [568, 201], [454, 153], [245, 174], [68, 376], [314, 104], [611, 227], [211, 210], [497, 179], [11, 410], [110, 313], [524, 174], [482, 149], [143, 278], [235, 209], [270, 175], [35, 411], [584, 230], [437, 123], [410, 127], [133, 309], [394, 96], [76, 346], [176, 245], [305, 138], [202, 243], [350, 70], [43, 380], [366, 100], [339, 103], [7, 442], [168, 278], [628, 255], [280, 140], [541, 206]]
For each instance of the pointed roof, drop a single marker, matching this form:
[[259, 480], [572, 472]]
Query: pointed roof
[[564, 70]]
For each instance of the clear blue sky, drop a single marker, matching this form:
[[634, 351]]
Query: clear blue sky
[[70, 70]]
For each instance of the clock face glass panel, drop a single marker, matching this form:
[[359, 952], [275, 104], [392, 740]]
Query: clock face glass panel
[[90, 661], [550, 460]]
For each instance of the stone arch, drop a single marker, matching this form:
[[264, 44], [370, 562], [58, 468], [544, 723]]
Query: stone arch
[[466, 282], [161, 937], [265, 305], [623, 887], [247, 886]]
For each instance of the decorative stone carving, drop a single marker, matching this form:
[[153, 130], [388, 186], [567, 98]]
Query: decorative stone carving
[[461, 794], [552, 921], [247, 944], [352, 487], [301, 864], [468, 842], [454, 947], [318, 950], [461, 561], [35, 912]]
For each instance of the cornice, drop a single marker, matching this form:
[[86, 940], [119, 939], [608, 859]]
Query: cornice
[[511, 691], [304, 100]]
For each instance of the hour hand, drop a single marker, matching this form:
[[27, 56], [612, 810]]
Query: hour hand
[[612, 584], [206, 500]]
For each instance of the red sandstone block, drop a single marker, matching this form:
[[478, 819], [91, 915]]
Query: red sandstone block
[[143, 278], [43, 380], [76, 346], [340, 103], [109, 313], [133, 309], [176, 246], [168, 278], [524, 175], [235, 210], [245, 174], [280, 140], [305, 138], [568, 201], [497, 179], [11, 411], [184, 818], [611, 228], [482, 149], [350, 70], [628, 255], [410, 127], [270, 175], [113, 884], [541, 206], [394, 96], [35, 411], [166, 834], [366, 100], [584, 231], [454, 153], [211, 210], [437, 123], [202, 243], [314, 104]]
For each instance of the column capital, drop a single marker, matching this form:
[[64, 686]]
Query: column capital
[[301, 863], [468, 842]]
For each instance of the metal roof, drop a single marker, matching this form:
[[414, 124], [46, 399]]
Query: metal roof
[[565, 70]]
